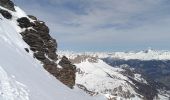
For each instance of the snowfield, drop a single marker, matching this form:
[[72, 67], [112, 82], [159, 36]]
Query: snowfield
[[103, 79], [97, 77], [21, 76], [11, 89]]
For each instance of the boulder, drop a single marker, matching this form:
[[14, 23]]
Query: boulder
[[24, 22], [5, 14], [32, 17]]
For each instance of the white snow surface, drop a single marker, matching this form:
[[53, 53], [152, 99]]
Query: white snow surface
[[100, 77], [21, 76], [149, 54]]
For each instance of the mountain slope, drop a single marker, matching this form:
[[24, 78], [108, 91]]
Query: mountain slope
[[22, 77], [30, 67], [115, 80]]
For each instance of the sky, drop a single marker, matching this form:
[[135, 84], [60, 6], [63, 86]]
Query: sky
[[104, 25]]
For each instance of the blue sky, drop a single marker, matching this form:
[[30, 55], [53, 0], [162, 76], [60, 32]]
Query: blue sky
[[104, 25]]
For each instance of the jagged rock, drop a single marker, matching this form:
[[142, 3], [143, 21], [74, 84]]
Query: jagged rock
[[86, 90], [65, 75], [37, 36], [5, 14], [68, 72], [52, 56], [42, 29], [24, 22], [26, 49], [32, 17], [40, 56], [7, 4], [64, 62]]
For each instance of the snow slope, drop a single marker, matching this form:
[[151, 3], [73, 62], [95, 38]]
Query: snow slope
[[95, 76], [21, 76], [102, 78]]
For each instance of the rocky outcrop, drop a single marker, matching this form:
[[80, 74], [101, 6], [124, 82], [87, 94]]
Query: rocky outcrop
[[5, 14], [7, 4], [24, 22], [86, 90], [44, 48], [36, 34], [67, 72]]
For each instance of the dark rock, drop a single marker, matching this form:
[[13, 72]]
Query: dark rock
[[68, 72], [147, 90], [26, 49], [86, 90], [32, 17], [52, 56], [24, 22], [5, 14], [42, 29], [64, 62], [40, 26], [44, 48], [40, 56], [155, 72], [67, 76], [7, 4], [158, 70]]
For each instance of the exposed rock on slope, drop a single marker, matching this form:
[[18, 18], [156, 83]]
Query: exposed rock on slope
[[44, 47], [22, 77], [7, 4], [67, 72], [36, 34], [5, 14]]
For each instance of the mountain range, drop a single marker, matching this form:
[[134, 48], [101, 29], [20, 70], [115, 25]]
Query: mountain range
[[31, 68]]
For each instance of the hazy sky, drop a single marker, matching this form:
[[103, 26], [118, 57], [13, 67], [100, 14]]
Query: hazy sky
[[104, 25]]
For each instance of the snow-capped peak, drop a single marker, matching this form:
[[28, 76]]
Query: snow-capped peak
[[149, 54]]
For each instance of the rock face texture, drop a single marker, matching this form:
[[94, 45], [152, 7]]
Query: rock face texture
[[36, 34], [5, 14], [7, 4], [68, 72]]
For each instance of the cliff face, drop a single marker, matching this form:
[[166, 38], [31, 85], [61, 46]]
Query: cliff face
[[36, 34]]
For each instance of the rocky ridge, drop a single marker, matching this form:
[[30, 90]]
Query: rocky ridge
[[36, 34], [115, 80]]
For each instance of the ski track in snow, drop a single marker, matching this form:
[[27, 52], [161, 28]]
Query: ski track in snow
[[11, 89]]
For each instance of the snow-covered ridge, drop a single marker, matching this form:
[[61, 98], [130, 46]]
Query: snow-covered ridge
[[100, 78], [140, 55], [95, 76], [22, 77]]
